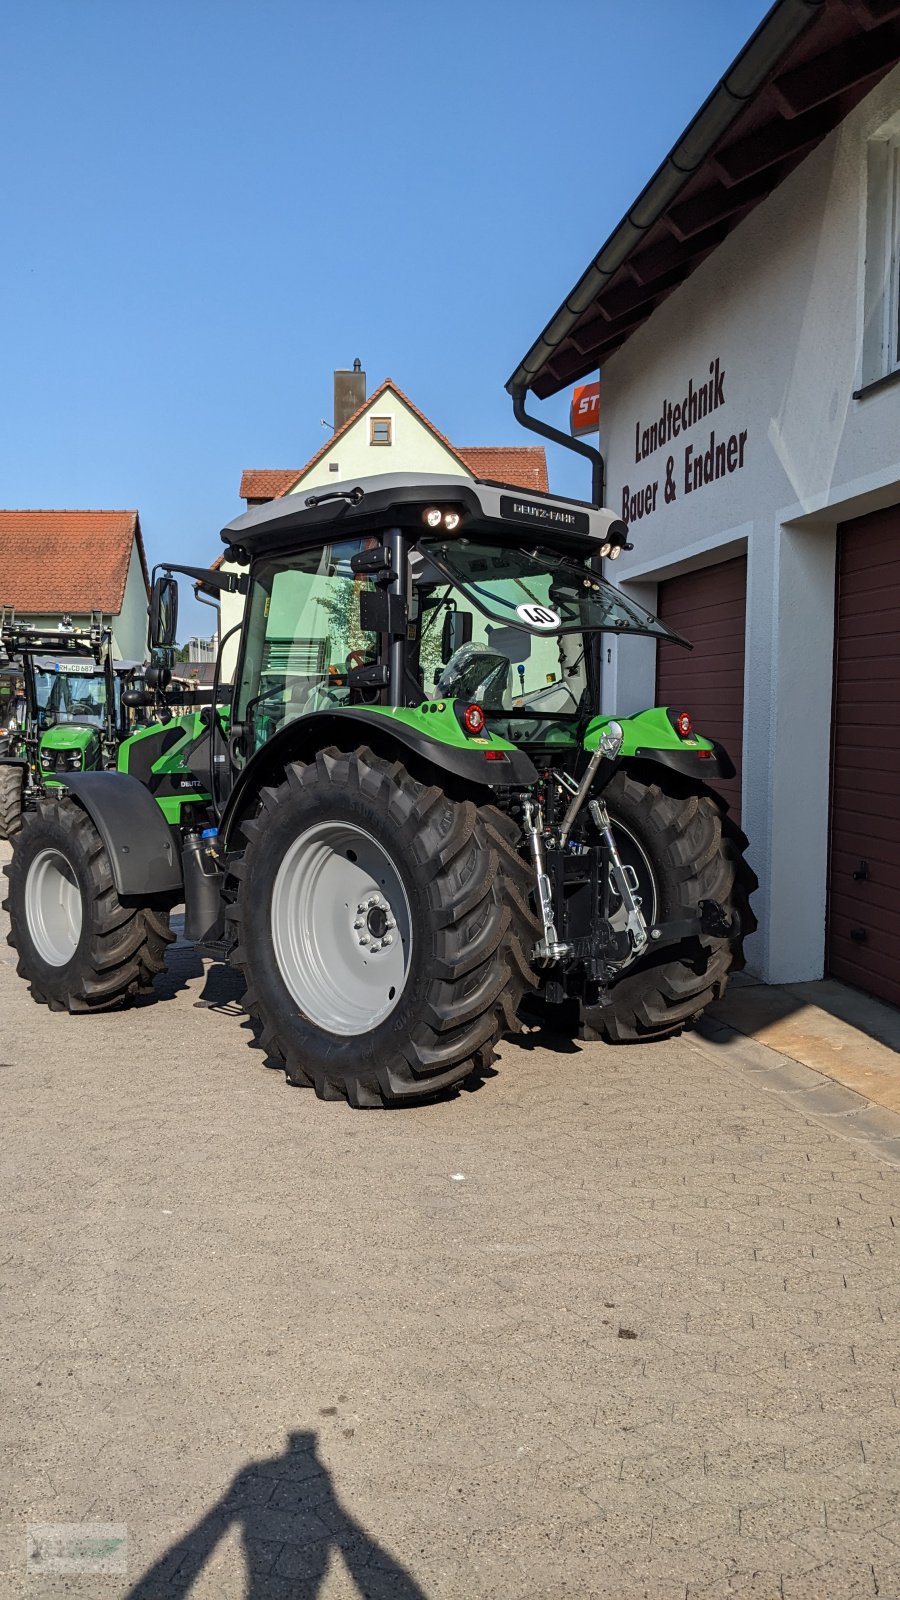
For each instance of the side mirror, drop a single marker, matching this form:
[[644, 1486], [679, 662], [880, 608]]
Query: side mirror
[[163, 613], [456, 632]]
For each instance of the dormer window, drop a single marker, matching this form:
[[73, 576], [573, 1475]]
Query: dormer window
[[380, 430]]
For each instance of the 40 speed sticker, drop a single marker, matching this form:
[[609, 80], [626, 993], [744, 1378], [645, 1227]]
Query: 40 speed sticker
[[538, 616]]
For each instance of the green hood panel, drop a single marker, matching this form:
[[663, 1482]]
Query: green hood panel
[[69, 736]]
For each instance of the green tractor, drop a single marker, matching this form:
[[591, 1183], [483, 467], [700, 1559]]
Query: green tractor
[[70, 716], [407, 817]]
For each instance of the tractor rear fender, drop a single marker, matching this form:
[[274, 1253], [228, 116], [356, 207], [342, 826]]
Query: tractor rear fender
[[13, 761], [140, 845], [387, 736], [701, 765]]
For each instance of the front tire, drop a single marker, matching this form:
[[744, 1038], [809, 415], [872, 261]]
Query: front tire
[[383, 930], [80, 949], [12, 788], [694, 853]]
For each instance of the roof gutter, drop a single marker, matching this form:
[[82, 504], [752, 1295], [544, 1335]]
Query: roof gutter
[[762, 52]]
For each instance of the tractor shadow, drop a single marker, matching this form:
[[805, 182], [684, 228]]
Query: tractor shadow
[[291, 1525], [223, 987]]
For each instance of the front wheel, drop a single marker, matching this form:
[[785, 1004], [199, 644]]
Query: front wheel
[[383, 930], [12, 790], [683, 849], [79, 947]]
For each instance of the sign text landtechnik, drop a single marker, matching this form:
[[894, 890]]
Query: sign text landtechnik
[[698, 466]]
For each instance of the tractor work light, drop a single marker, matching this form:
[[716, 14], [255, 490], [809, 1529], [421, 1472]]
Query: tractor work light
[[473, 717], [433, 517], [451, 520]]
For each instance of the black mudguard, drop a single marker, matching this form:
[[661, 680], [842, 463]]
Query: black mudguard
[[692, 762], [140, 845]]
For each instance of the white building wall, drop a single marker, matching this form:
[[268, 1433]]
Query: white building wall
[[130, 626], [413, 449], [780, 307]]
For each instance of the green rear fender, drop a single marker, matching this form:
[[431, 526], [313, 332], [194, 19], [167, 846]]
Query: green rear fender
[[652, 736]]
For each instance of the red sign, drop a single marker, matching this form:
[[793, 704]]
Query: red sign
[[585, 413]]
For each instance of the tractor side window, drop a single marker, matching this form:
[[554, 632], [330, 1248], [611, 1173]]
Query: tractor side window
[[303, 637]]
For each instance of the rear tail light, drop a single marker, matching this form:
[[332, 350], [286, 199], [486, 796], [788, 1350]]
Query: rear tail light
[[684, 724], [473, 717]]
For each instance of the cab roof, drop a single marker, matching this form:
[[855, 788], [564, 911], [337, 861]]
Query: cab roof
[[360, 506]]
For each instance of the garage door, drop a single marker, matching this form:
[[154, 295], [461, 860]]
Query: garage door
[[709, 608], [864, 865]]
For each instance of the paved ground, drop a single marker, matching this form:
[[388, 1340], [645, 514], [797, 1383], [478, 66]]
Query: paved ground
[[620, 1323]]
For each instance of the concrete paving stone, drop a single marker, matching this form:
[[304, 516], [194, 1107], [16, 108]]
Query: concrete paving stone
[[887, 1578], [827, 1453], [715, 1560], [832, 1581], [759, 1585], [788, 1512]]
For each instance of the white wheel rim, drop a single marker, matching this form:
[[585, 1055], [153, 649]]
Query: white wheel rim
[[53, 907], [341, 928]]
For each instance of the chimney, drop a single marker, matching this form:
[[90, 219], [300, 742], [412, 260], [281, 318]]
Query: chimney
[[349, 392]]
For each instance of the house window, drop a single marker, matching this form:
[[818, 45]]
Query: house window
[[881, 335], [379, 430], [334, 466]]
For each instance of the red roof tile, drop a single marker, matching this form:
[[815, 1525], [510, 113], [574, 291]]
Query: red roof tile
[[67, 561], [522, 466], [267, 483]]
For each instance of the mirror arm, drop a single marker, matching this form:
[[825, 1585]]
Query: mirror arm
[[210, 577]]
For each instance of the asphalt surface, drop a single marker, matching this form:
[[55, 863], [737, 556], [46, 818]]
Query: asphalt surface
[[622, 1322]]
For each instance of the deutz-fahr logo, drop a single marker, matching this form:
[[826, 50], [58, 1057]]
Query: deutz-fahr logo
[[516, 510]]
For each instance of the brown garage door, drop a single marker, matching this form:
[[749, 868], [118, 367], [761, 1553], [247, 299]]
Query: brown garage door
[[864, 865], [709, 608]]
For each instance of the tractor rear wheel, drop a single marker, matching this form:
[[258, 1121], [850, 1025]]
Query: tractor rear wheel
[[383, 930], [79, 947], [12, 788], [683, 848]]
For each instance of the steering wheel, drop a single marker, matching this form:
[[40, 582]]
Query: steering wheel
[[356, 658]]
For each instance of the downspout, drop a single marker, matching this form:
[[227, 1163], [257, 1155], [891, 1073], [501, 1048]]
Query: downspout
[[518, 392]]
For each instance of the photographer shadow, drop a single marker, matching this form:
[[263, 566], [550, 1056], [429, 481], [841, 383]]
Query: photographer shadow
[[291, 1523]]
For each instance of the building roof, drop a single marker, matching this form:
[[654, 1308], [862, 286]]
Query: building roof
[[528, 463], [67, 561], [799, 75], [523, 466], [267, 483]]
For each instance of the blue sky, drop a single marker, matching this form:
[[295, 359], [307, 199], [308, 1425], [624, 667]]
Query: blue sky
[[210, 204]]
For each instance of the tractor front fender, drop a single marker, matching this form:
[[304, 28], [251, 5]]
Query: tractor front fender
[[138, 840], [299, 740]]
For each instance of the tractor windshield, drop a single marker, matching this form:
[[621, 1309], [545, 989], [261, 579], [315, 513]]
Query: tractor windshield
[[70, 695], [538, 590], [511, 629]]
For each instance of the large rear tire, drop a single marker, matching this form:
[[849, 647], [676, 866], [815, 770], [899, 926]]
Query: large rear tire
[[80, 949], [383, 930], [694, 853], [12, 789]]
